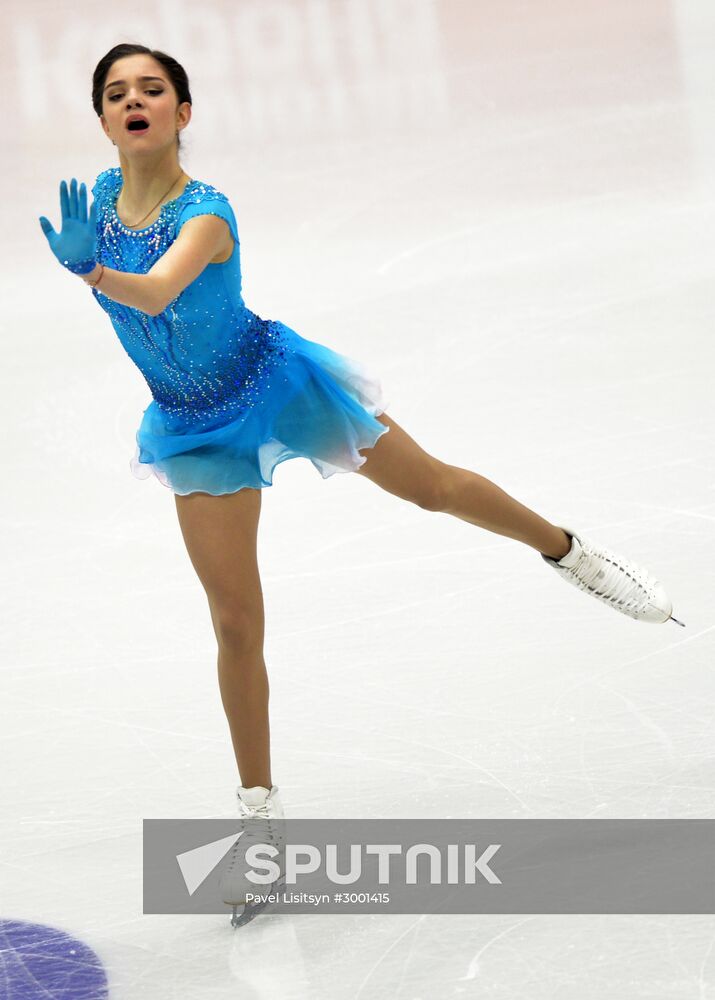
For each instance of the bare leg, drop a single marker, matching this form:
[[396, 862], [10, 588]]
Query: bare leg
[[243, 683], [400, 466], [480, 501], [220, 533]]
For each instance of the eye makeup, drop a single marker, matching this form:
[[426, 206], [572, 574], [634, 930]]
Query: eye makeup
[[113, 97]]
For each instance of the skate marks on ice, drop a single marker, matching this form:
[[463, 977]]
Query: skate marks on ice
[[42, 961]]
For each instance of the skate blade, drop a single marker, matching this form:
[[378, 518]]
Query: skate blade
[[676, 621], [249, 911]]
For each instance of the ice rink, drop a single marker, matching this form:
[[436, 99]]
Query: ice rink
[[506, 212]]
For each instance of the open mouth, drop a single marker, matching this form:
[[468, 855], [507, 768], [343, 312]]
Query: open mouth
[[138, 125]]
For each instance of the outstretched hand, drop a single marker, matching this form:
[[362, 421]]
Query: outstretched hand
[[74, 245]]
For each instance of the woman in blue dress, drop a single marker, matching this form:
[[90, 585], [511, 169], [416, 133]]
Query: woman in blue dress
[[233, 394]]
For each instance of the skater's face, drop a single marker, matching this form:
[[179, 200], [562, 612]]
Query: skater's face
[[126, 93]]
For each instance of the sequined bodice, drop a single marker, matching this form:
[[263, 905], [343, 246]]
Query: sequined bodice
[[205, 356]]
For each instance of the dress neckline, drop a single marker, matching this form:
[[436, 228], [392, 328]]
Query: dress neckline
[[155, 223]]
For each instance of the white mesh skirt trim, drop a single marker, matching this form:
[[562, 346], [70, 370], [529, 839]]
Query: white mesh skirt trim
[[366, 389]]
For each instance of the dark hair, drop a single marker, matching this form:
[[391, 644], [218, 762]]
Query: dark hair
[[175, 71]]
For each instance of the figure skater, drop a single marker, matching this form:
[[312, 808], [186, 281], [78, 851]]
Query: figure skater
[[233, 395]]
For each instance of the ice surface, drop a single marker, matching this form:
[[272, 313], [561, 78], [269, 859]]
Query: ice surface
[[505, 210]]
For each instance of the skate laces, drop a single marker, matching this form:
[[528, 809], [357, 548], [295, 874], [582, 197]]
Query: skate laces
[[257, 825], [604, 574], [259, 811], [257, 822]]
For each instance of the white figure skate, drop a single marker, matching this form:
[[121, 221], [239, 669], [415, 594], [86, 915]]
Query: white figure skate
[[614, 580], [260, 808]]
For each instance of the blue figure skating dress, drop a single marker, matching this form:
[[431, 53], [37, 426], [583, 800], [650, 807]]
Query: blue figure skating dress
[[233, 395]]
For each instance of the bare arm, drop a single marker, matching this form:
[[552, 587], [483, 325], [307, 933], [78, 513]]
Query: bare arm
[[200, 240]]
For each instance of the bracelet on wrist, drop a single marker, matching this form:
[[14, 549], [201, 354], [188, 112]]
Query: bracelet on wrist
[[93, 284]]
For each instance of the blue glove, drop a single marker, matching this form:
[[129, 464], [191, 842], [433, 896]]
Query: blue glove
[[74, 247]]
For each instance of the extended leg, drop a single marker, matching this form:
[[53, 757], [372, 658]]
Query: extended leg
[[400, 466], [480, 501]]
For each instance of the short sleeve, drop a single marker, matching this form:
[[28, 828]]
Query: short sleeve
[[101, 185], [209, 206]]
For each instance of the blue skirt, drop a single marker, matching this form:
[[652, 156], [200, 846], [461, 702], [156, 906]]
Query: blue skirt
[[323, 407]]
